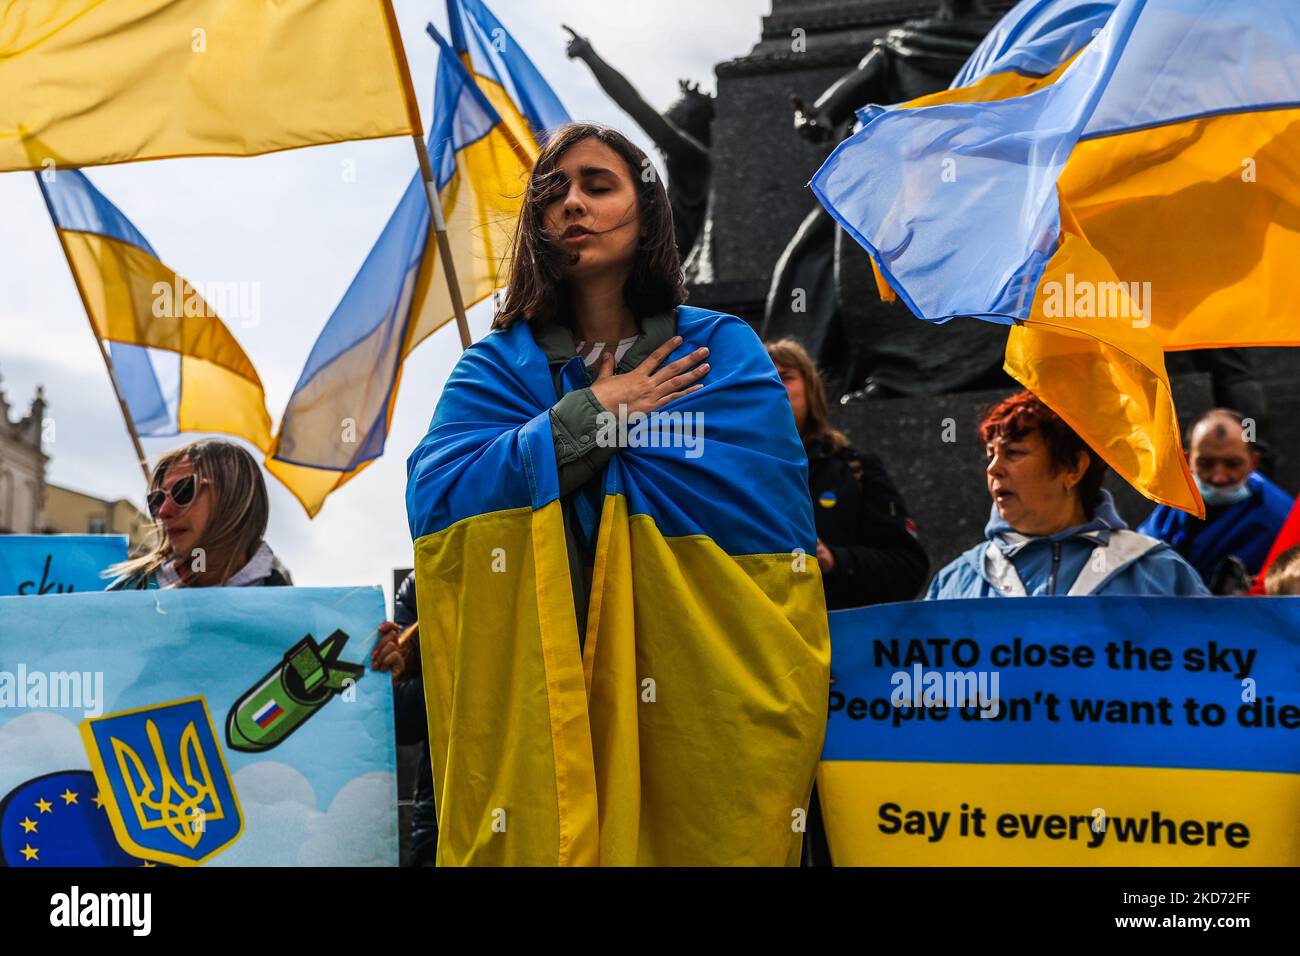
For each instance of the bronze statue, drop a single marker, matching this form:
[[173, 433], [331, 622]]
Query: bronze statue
[[863, 343], [682, 133], [920, 57]]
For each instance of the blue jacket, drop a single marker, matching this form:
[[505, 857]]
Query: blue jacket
[[1245, 530], [1130, 564]]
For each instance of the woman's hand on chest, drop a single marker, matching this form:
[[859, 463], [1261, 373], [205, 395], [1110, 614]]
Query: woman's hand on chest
[[647, 387]]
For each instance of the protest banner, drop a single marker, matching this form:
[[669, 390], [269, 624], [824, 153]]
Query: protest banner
[[237, 726], [36, 564], [1065, 731]]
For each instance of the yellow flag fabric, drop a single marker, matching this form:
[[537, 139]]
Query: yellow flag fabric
[[92, 82], [1208, 212], [133, 299], [1105, 377], [1124, 184], [337, 420], [1142, 204], [501, 102]]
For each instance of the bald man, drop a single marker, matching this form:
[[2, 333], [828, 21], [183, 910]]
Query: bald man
[[1244, 511]]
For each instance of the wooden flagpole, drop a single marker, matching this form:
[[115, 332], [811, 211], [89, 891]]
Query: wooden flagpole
[[430, 185], [94, 333], [444, 244]]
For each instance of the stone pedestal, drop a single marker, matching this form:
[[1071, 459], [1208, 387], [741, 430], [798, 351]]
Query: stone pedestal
[[762, 166]]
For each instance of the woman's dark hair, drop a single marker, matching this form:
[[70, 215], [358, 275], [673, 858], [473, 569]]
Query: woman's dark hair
[[790, 353], [1017, 415], [536, 291]]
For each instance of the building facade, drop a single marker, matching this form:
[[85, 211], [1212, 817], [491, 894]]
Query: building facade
[[75, 512], [22, 468], [30, 505]]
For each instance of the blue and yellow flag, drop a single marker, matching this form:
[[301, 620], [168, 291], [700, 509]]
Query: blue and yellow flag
[[503, 71], [685, 728], [178, 366], [99, 83], [1112, 196], [336, 421]]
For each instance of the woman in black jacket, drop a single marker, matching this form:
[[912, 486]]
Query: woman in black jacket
[[866, 544]]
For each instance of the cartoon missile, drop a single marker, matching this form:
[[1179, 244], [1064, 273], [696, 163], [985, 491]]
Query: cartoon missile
[[300, 685]]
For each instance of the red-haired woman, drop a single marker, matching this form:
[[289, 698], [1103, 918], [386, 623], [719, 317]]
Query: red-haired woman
[[1053, 529]]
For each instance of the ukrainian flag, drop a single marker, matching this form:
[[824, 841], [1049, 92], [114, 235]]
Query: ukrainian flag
[[504, 73], [685, 728], [177, 365], [336, 421], [1112, 196], [87, 82]]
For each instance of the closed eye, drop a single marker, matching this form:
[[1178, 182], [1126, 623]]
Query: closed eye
[[1006, 453]]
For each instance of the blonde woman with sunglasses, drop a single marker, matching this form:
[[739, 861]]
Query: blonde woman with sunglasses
[[208, 501]]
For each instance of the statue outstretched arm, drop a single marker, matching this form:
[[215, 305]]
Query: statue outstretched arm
[[838, 102], [669, 139]]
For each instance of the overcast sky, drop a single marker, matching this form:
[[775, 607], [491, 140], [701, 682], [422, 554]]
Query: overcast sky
[[292, 224]]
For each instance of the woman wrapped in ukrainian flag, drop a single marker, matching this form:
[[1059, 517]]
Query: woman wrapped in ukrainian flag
[[624, 638]]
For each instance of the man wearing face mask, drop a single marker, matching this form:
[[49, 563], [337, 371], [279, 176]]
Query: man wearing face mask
[[1243, 510]]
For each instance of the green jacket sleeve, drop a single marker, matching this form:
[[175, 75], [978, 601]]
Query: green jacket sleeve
[[574, 426]]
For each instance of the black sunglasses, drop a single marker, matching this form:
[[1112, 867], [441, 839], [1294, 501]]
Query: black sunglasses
[[181, 494]]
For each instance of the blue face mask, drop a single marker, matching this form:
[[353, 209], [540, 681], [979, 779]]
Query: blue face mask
[[1215, 496]]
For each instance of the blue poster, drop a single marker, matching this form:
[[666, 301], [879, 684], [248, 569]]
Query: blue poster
[[1065, 731], [36, 564], [217, 726]]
